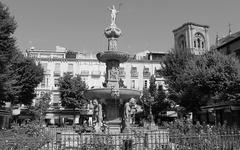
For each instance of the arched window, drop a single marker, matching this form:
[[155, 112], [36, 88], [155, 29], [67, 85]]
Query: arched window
[[199, 41], [182, 42]]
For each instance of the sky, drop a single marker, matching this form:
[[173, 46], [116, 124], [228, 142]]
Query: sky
[[145, 24]]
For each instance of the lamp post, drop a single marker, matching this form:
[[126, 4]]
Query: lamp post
[[151, 115]]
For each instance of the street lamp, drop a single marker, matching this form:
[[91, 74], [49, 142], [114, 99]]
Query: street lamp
[[151, 115]]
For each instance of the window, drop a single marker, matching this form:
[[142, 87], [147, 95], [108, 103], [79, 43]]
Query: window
[[199, 41], [56, 82], [133, 84], [134, 72], [146, 72], [70, 68], [121, 72], [56, 98], [70, 54], [44, 65], [57, 70], [47, 78], [182, 42], [145, 84], [43, 82]]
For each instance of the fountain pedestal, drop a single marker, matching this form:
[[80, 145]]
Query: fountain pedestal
[[113, 117]]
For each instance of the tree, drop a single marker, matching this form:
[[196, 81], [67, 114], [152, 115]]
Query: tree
[[152, 86], [19, 76], [199, 79], [161, 103], [172, 67], [72, 90], [27, 75], [212, 76], [155, 98], [41, 106], [7, 48], [145, 102]]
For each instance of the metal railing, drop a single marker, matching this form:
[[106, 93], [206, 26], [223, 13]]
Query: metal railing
[[67, 139], [144, 140]]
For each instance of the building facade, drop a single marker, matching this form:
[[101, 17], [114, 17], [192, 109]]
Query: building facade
[[229, 45], [135, 72], [193, 37]]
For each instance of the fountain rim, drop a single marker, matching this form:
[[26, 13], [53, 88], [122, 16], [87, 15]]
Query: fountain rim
[[105, 93], [113, 55]]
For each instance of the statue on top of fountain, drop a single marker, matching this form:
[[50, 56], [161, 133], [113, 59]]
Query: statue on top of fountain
[[113, 15]]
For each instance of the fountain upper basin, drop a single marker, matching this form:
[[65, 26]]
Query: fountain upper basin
[[105, 93]]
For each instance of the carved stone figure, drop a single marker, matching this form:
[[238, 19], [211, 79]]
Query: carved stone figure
[[127, 116], [114, 73], [97, 115], [113, 15], [90, 108], [115, 92], [112, 44], [129, 113]]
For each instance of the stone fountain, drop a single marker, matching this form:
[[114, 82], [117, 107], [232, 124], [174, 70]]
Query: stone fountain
[[114, 100]]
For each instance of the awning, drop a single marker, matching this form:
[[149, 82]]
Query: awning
[[51, 116], [169, 114]]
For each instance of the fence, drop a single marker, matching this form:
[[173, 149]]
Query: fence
[[123, 141], [161, 139], [144, 140]]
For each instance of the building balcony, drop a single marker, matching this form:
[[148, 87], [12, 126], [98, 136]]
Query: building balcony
[[122, 73], [47, 72], [134, 74], [84, 73], [146, 74], [56, 74], [157, 74], [96, 73], [70, 72]]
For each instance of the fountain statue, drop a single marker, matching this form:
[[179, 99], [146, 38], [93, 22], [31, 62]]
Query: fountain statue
[[97, 115], [113, 15], [112, 99]]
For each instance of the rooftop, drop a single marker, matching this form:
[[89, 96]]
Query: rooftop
[[223, 41], [191, 23]]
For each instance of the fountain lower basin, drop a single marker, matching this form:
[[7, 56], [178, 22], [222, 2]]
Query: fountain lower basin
[[105, 93], [113, 107]]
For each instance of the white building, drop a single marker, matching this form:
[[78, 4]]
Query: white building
[[135, 73]]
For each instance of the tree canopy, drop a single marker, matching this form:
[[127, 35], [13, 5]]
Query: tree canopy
[[71, 91], [19, 76], [41, 106], [199, 80], [7, 48], [28, 75], [156, 97]]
